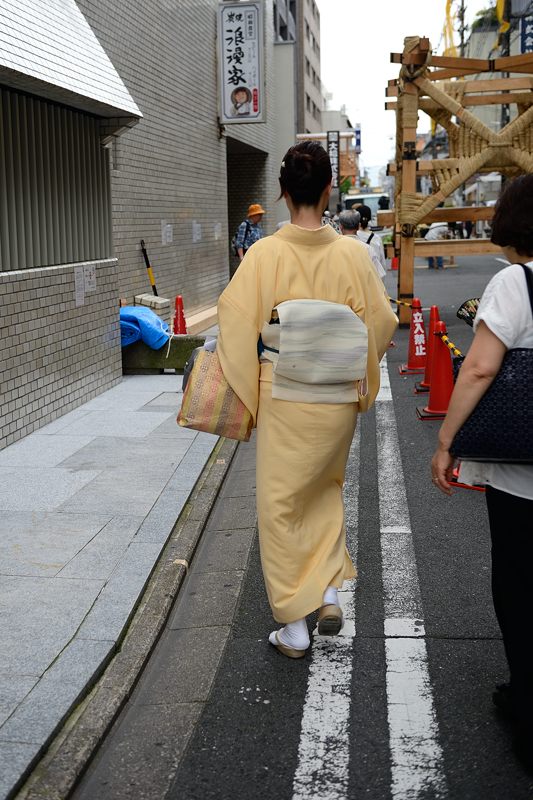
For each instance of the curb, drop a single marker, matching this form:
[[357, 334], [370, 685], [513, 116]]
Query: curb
[[70, 752]]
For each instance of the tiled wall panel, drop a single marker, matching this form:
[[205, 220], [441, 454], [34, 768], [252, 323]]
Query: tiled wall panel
[[55, 355]]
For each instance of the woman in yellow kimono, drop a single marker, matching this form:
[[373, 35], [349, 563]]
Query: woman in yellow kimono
[[302, 447]]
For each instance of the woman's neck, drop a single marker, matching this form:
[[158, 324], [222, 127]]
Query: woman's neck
[[307, 217], [516, 258]]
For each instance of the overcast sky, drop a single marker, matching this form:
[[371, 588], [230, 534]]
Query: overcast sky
[[356, 39]]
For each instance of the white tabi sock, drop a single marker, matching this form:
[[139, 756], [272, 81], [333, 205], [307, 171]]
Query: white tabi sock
[[294, 634], [330, 597]]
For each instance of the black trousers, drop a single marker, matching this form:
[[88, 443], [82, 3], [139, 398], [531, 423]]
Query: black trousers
[[511, 529]]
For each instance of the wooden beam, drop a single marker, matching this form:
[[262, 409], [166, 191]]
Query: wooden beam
[[497, 85], [446, 74], [517, 63], [423, 167], [504, 98], [463, 214], [513, 63], [450, 247]]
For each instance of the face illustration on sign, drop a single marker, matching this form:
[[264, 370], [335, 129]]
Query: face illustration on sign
[[241, 99]]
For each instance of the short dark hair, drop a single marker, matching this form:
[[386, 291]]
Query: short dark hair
[[512, 224], [305, 172]]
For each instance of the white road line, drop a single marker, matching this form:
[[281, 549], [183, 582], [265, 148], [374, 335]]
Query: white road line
[[324, 750], [416, 755]]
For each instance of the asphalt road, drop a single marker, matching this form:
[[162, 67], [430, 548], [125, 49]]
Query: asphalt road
[[400, 706]]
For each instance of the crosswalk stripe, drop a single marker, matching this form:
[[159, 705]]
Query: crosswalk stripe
[[416, 755]]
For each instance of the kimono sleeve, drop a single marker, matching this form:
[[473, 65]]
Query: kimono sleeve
[[238, 314], [381, 323]]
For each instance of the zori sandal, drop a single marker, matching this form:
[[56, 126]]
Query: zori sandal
[[330, 620], [291, 652]]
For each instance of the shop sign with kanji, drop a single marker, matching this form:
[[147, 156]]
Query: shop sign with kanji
[[241, 62], [526, 35], [333, 140]]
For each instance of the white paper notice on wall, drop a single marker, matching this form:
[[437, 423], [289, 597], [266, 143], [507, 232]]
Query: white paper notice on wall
[[167, 232], [218, 231], [79, 286], [89, 277], [196, 232]]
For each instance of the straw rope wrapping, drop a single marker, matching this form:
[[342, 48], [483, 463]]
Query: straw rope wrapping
[[475, 146]]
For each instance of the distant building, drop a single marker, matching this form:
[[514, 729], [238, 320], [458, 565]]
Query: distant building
[[297, 84], [309, 101]]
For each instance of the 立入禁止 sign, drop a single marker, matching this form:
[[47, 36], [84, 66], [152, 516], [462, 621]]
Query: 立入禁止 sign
[[240, 55]]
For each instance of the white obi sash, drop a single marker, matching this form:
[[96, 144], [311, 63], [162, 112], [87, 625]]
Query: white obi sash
[[318, 351]]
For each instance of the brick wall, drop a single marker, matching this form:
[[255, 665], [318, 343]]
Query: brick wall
[[54, 355]]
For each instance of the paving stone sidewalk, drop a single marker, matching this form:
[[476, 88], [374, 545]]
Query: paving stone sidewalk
[[86, 506]]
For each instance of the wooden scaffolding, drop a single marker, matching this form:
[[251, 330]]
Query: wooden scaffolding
[[438, 86]]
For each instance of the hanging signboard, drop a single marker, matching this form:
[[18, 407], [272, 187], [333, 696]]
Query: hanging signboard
[[333, 153], [357, 130], [526, 35], [241, 62]]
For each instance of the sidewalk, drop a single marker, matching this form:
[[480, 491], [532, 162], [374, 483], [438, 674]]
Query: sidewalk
[[87, 504]]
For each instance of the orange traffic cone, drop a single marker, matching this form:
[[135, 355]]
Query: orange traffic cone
[[441, 379], [394, 263], [425, 383], [179, 316], [416, 359]]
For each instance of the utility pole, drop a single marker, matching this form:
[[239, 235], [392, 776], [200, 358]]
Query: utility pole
[[505, 50], [462, 27]]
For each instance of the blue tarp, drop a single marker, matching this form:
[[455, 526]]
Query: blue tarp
[[139, 322]]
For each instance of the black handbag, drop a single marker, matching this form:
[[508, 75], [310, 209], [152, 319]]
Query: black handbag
[[500, 428]]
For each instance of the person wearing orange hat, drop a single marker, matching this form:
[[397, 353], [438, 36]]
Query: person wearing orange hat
[[249, 230]]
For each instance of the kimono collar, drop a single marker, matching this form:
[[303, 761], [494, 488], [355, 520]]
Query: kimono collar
[[296, 235]]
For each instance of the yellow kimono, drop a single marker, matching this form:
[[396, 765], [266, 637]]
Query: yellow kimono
[[302, 448]]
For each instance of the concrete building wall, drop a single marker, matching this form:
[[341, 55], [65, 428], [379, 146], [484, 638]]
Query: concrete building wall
[[286, 94], [170, 173], [309, 81]]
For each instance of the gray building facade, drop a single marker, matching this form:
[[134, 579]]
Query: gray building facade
[[90, 184]]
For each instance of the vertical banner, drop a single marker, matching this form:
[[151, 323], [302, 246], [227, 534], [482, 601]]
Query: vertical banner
[[333, 153], [357, 130], [241, 62], [526, 35]]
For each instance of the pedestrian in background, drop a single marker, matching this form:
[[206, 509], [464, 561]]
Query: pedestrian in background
[[303, 442], [436, 232], [327, 219], [349, 225], [369, 237], [250, 230], [504, 320]]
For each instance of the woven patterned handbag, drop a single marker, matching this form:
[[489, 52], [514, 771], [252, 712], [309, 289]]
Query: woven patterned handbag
[[209, 403], [500, 428]]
